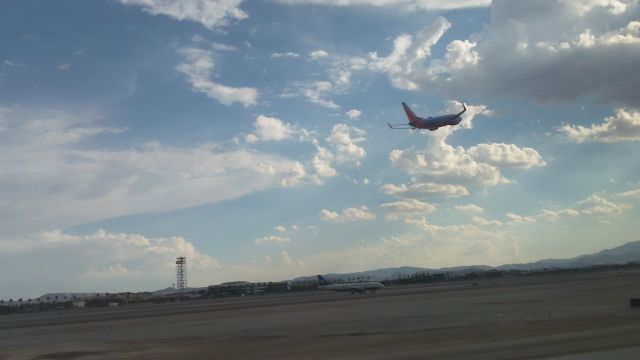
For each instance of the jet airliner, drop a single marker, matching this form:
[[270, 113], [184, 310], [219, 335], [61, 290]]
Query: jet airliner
[[360, 287], [431, 123]]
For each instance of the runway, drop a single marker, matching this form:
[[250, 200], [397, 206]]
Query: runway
[[565, 316]]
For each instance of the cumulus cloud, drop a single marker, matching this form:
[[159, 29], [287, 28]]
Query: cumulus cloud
[[424, 189], [288, 54], [210, 13], [318, 54], [280, 228], [624, 126], [443, 162], [345, 146], [506, 155], [348, 215], [126, 262], [634, 194], [556, 51], [287, 260], [596, 205], [405, 66], [480, 221], [486, 240], [48, 163], [354, 114], [272, 239], [315, 92], [472, 208], [409, 5], [409, 207], [322, 163], [198, 67], [519, 219], [345, 139], [270, 129]]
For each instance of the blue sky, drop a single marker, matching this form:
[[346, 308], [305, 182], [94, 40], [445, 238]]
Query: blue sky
[[251, 137]]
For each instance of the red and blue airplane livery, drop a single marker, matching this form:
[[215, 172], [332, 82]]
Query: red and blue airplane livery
[[431, 123]]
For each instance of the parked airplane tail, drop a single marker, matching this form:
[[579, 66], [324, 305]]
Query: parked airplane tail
[[322, 280], [410, 115]]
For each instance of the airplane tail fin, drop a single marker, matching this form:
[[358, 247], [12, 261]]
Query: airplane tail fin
[[322, 280], [410, 115]]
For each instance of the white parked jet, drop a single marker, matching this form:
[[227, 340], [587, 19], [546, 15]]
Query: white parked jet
[[360, 287]]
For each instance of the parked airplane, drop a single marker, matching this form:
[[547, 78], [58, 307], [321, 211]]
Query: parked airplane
[[360, 287], [431, 123]]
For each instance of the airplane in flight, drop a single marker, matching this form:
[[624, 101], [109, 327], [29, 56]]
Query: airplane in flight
[[354, 287], [431, 123]]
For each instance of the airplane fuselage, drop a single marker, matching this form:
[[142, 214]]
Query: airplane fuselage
[[435, 122], [353, 287]]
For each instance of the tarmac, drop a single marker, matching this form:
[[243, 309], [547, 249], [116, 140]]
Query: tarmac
[[560, 316]]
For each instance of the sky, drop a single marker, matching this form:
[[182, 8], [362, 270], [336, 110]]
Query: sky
[[251, 137]]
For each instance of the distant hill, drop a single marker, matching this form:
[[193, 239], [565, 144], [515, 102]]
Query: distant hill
[[619, 255], [394, 273]]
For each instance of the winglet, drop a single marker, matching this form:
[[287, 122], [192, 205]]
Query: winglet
[[464, 108], [390, 127]]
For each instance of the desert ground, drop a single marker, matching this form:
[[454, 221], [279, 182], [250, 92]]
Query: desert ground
[[560, 316]]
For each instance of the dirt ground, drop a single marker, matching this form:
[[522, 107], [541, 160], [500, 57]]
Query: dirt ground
[[566, 316]]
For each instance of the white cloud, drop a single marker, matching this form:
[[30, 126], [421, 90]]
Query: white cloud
[[408, 5], [354, 114], [409, 207], [315, 92], [595, 205], [210, 13], [486, 241], [348, 215], [461, 54], [624, 126], [472, 208], [447, 164], [519, 219], [322, 163], [48, 163], [506, 155], [272, 239], [480, 221], [270, 129], [318, 54], [287, 260], [280, 228], [554, 215], [345, 139], [288, 54], [598, 205], [634, 194], [555, 50], [420, 189], [126, 262], [405, 66], [199, 66]]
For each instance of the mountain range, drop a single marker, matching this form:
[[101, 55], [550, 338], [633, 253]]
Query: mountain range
[[629, 252]]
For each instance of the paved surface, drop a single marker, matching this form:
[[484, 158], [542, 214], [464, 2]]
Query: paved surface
[[568, 317]]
